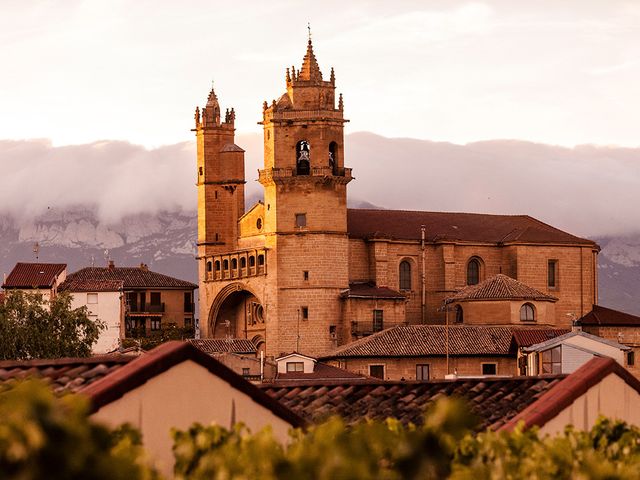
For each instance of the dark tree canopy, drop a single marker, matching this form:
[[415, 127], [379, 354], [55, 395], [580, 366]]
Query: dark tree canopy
[[31, 327]]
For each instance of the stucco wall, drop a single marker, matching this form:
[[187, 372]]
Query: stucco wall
[[185, 394], [109, 310], [612, 397]]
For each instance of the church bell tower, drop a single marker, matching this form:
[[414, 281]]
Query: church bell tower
[[305, 184]]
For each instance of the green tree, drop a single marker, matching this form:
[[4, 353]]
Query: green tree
[[31, 327], [43, 436]]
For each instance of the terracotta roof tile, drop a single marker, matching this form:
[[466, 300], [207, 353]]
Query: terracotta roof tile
[[607, 316], [77, 284], [222, 345], [321, 371], [131, 277], [528, 337], [446, 226], [369, 290], [500, 287], [421, 340], [493, 401], [30, 275]]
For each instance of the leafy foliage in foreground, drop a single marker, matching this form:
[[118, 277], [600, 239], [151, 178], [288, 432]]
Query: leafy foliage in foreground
[[31, 327], [444, 447], [42, 436]]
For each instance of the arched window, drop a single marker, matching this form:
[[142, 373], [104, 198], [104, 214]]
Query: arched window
[[243, 262], [405, 275], [225, 264], [234, 263], [303, 158], [527, 313], [209, 266], [459, 314], [260, 260], [217, 265], [473, 271], [333, 157], [252, 261]]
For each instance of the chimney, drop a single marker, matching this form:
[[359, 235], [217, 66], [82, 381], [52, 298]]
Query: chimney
[[111, 265], [143, 266]]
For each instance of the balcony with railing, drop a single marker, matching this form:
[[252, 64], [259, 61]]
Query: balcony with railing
[[363, 328], [145, 308], [236, 265], [280, 175]]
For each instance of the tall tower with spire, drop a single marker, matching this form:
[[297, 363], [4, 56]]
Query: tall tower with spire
[[305, 210], [220, 179]]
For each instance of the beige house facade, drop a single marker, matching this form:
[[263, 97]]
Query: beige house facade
[[299, 271]]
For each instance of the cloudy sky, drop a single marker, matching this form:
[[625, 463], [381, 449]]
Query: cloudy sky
[[498, 106], [565, 73]]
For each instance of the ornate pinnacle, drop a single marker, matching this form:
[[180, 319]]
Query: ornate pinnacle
[[332, 79], [197, 116], [264, 106], [288, 76], [232, 115], [340, 103]]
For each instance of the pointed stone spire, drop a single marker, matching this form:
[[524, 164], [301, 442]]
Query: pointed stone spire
[[340, 103], [310, 70], [211, 112], [332, 79]]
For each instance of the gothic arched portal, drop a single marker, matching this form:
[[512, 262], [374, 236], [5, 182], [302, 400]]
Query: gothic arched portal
[[236, 312]]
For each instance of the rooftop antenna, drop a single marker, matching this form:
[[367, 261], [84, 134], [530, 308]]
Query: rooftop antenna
[[36, 249], [106, 254], [93, 261]]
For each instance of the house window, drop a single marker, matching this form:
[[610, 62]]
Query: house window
[[295, 367], [378, 320], [527, 313], [301, 220], [259, 224], [252, 261], [422, 372], [155, 298], [333, 157], [245, 372], [304, 313], [225, 264], [155, 324], [305, 275], [631, 359], [92, 298], [376, 371], [187, 322], [200, 170], [552, 273], [405, 275], [188, 303], [260, 260], [217, 265], [234, 263], [243, 262], [209, 266], [489, 369], [473, 272], [552, 360], [459, 314]]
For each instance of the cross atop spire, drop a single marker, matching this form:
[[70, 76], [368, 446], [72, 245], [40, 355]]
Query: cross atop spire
[[309, 28], [310, 70]]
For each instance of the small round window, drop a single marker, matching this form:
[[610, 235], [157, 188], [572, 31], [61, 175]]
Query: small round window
[[259, 224]]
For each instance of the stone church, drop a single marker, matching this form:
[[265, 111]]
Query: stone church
[[299, 271]]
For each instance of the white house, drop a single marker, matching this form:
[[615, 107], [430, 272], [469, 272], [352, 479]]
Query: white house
[[42, 278], [568, 352], [105, 301]]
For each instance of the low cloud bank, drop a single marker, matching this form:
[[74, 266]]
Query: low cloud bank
[[587, 190]]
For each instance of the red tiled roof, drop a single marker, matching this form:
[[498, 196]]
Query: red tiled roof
[[66, 374], [494, 401], [321, 371], [606, 316], [500, 287], [421, 340], [569, 390], [446, 226], [222, 345], [107, 378], [34, 275], [369, 290], [532, 336], [131, 277], [76, 284]]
